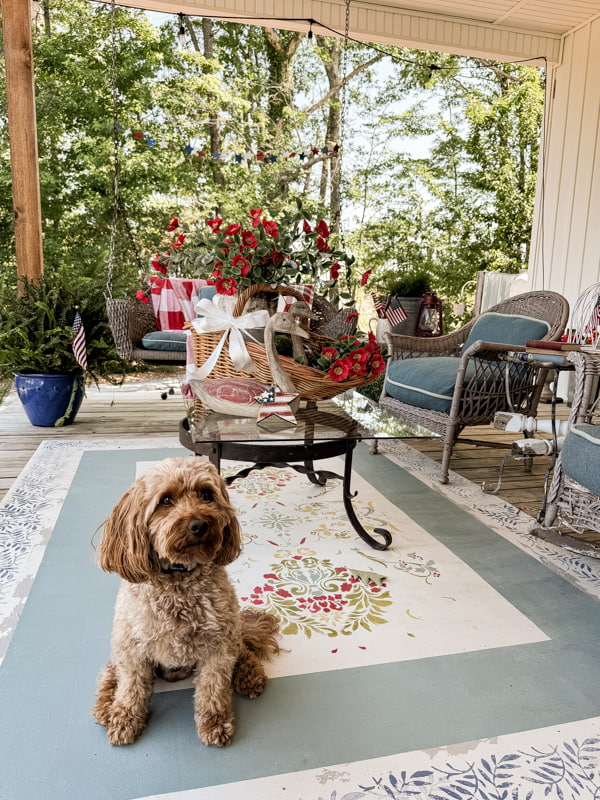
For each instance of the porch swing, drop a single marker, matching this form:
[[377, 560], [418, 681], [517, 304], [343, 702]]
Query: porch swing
[[128, 319]]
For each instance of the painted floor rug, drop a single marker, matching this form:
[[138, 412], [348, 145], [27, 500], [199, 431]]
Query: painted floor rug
[[461, 663]]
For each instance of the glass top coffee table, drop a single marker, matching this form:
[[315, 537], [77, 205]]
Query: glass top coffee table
[[324, 429]]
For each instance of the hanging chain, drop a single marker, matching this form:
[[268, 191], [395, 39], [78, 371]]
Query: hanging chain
[[118, 209], [338, 211]]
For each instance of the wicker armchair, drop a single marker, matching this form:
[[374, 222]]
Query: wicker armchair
[[572, 506], [482, 382]]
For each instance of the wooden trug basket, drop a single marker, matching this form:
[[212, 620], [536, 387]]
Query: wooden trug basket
[[310, 383]]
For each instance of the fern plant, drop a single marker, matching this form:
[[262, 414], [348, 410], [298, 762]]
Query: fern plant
[[36, 327]]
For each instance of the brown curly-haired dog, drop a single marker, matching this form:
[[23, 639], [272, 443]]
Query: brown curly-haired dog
[[169, 537]]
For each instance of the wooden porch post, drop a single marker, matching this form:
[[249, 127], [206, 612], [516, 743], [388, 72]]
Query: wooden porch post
[[18, 58]]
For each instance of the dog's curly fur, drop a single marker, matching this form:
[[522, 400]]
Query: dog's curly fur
[[169, 537]]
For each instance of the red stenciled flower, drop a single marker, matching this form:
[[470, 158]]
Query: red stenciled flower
[[232, 229], [365, 277], [226, 286], [249, 239], [322, 229], [270, 228], [340, 369], [214, 224], [329, 352], [322, 244], [335, 271], [173, 224], [255, 215], [138, 135], [142, 297], [352, 316], [306, 227]]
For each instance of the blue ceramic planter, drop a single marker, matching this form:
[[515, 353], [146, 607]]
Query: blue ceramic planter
[[47, 398]]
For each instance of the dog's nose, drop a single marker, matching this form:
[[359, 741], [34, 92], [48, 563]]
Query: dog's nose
[[197, 527]]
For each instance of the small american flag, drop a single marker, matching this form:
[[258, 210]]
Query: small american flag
[[592, 329], [394, 313], [79, 348], [379, 304]]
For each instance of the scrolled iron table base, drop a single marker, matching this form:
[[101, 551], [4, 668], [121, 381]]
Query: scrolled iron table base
[[299, 456]]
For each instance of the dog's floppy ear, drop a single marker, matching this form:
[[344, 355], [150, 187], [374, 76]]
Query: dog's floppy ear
[[232, 534], [232, 543], [125, 548]]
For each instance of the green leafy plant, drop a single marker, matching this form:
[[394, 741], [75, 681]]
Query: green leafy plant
[[256, 249], [36, 327]]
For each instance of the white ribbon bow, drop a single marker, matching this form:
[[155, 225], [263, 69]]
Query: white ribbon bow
[[217, 319]]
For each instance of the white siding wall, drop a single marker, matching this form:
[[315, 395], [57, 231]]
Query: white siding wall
[[566, 235]]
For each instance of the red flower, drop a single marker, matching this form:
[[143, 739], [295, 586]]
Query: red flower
[[359, 355], [216, 273], [358, 368], [270, 228], [249, 239], [179, 241], [377, 364], [352, 316], [173, 224], [255, 214], [142, 297], [306, 226], [161, 268], [365, 277], [214, 224], [340, 370], [241, 263], [156, 261], [329, 352], [322, 244], [226, 286], [322, 229], [335, 271], [231, 230]]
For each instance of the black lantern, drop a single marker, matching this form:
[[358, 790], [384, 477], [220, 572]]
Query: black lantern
[[429, 316]]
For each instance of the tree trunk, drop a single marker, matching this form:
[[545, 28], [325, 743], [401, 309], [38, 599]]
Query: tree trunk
[[214, 131]]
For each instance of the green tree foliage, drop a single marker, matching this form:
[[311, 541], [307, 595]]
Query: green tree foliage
[[463, 203]]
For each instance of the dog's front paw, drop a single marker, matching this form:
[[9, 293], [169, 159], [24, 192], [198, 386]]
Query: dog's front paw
[[217, 729], [124, 727]]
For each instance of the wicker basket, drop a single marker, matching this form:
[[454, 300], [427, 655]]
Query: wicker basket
[[310, 383], [205, 343]]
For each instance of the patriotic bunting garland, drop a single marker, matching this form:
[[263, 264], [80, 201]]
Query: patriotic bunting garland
[[236, 158]]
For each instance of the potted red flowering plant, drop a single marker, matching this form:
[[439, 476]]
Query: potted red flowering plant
[[255, 250]]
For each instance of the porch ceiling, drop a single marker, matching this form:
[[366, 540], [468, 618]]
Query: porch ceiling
[[505, 29]]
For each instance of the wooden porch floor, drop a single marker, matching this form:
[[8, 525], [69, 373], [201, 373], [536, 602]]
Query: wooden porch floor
[[137, 410]]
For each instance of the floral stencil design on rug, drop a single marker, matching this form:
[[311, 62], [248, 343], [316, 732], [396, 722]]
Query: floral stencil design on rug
[[311, 595]]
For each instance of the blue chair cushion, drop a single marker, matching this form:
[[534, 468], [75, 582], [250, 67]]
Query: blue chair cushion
[[425, 382], [506, 329], [206, 293], [165, 340], [580, 456]]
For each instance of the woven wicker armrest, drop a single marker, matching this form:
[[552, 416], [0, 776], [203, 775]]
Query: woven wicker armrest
[[401, 346]]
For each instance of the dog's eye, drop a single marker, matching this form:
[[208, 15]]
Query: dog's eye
[[167, 500], [206, 495]]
